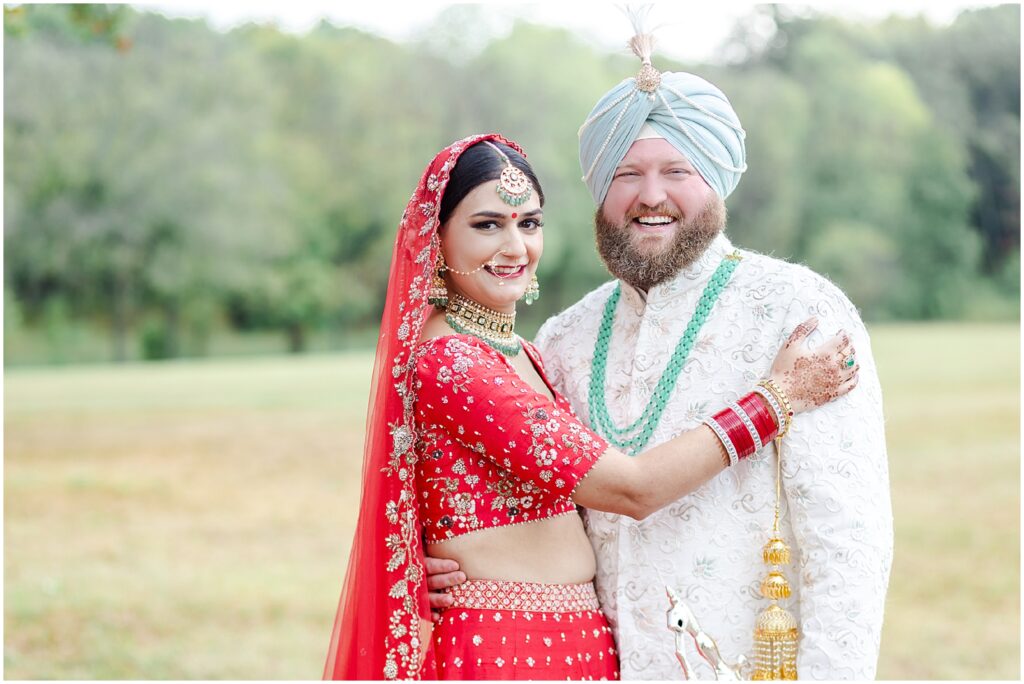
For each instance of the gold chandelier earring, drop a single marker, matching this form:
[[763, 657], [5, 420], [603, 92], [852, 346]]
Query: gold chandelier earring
[[532, 291], [438, 295]]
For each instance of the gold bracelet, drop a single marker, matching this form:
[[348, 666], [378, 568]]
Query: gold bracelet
[[786, 419]]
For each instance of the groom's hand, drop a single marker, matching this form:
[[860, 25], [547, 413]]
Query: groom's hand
[[441, 574]]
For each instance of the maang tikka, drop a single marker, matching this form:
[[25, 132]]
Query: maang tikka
[[514, 187]]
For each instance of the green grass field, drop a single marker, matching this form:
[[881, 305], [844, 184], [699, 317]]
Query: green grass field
[[192, 520]]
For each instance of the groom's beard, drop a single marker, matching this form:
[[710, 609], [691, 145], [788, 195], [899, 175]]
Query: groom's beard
[[622, 251]]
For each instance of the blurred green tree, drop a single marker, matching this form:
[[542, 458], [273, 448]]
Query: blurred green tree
[[166, 181]]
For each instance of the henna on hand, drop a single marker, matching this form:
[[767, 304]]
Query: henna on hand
[[801, 331], [814, 381], [813, 378]]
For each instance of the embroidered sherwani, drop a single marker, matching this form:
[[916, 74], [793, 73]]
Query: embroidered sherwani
[[836, 512]]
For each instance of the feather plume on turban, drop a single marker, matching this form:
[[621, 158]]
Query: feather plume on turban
[[688, 111]]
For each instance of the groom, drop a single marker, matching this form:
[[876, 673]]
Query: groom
[[660, 153]]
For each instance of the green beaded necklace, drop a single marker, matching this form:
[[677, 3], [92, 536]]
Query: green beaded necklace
[[633, 438]]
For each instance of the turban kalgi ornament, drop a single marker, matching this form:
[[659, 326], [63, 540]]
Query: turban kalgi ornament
[[689, 112]]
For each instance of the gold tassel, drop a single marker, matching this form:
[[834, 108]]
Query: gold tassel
[[775, 632]]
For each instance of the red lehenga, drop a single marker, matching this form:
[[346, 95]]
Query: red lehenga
[[455, 443]]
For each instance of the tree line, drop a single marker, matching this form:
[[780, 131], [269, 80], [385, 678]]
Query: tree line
[[166, 182]]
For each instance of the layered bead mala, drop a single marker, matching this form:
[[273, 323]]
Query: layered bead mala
[[634, 437]]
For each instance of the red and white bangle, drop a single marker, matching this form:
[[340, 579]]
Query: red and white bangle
[[744, 427], [772, 394], [764, 423], [723, 434]]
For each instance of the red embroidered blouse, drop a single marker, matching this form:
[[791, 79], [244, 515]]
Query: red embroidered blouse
[[492, 450]]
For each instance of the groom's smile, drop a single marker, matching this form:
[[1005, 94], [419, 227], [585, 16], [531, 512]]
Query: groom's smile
[[652, 183], [658, 217], [652, 228]]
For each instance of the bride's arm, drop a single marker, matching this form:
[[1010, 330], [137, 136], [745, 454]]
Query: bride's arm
[[638, 486]]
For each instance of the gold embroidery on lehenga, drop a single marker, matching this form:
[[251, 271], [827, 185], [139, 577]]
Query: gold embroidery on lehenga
[[525, 465], [401, 660]]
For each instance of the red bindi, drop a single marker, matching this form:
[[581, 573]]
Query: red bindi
[[514, 214]]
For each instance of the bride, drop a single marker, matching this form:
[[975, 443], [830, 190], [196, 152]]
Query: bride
[[471, 455]]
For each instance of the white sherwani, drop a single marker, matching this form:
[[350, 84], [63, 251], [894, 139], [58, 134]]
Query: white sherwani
[[836, 513]]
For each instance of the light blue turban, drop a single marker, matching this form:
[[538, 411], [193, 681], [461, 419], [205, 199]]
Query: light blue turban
[[686, 110]]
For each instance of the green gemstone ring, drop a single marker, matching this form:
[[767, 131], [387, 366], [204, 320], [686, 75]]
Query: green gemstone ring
[[849, 362]]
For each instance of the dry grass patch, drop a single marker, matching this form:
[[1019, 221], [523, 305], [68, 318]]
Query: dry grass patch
[[192, 520]]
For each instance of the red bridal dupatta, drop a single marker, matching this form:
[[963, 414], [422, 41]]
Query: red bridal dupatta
[[383, 622]]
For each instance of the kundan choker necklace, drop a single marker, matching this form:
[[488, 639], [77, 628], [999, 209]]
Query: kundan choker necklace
[[494, 328]]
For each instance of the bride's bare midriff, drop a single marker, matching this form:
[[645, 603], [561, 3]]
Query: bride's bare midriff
[[553, 551]]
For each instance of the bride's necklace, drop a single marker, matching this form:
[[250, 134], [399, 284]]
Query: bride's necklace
[[494, 328]]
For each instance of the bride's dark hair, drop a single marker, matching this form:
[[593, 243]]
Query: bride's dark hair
[[479, 164]]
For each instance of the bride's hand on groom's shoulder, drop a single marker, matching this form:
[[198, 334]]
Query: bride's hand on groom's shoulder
[[813, 377]]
